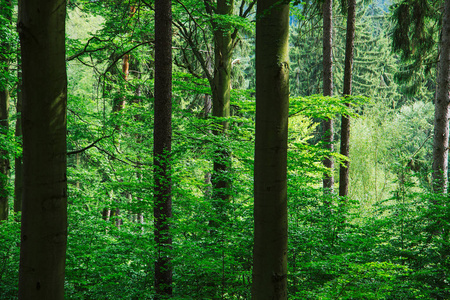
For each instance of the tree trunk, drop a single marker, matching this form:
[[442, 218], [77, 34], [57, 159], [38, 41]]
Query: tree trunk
[[162, 147], [6, 12], [4, 155], [221, 89], [272, 103], [41, 28], [18, 167], [348, 72], [441, 112], [328, 180]]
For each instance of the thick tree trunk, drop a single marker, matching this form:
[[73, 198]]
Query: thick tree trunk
[[328, 180], [348, 72], [221, 89], [44, 216], [162, 147], [272, 103], [441, 113], [6, 12]]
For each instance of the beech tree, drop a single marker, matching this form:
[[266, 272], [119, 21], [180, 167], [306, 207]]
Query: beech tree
[[162, 133], [270, 167], [221, 91], [41, 29]]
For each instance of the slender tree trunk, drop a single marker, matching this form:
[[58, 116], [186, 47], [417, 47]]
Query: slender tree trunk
[[441, 112], [118, 105], [162, 147], [221, 89], [328, 180], [41, 29], [272, 102], [18, 179], [6, 12], [4, 155], [348, 72]]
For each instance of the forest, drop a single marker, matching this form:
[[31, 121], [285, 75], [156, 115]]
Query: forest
[[224, 149]]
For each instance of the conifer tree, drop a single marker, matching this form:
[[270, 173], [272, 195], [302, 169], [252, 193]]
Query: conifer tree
[[348, 72], [328, 139], [6, 14]]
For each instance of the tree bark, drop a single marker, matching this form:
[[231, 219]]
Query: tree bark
[[348, 72], [162, 147], [4, 155], [18, 167], [221, 89], [272, 103], [6, 12], [41, 29], [328, 180], [441, 113]]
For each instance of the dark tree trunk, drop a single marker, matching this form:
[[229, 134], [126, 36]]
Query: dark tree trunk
[[272, 103], [4, 155], [328, 180], [6, 12], [41, 29], [348, 72], [18, 179], [162, 147], [441, 113]]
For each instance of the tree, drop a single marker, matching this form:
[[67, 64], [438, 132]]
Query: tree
[[41, 29], [327, 11], [6, 14], [348, 72], [18, 164], [162, 146], [441, 114], [270, 174], [221, 91]]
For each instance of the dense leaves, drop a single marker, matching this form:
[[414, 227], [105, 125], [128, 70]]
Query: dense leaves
[[389, 239]]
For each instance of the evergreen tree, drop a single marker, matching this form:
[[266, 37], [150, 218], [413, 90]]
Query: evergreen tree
[[5, 46]]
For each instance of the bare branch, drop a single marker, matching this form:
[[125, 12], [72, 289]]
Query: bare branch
[[90, 146]]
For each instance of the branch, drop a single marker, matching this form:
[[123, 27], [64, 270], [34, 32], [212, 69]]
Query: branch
[[248, 10], [195, 50], [126, 52], [130, 162], [85, 49], [90, 146]]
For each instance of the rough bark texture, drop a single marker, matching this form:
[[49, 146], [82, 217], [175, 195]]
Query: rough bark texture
[[6, 12], [348, 71], [272, 103], [328, 180], [441, 113], [41, 28], [221, 89], [162, 147]]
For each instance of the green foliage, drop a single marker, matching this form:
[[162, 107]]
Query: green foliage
[[9, 257], [389, 239]]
